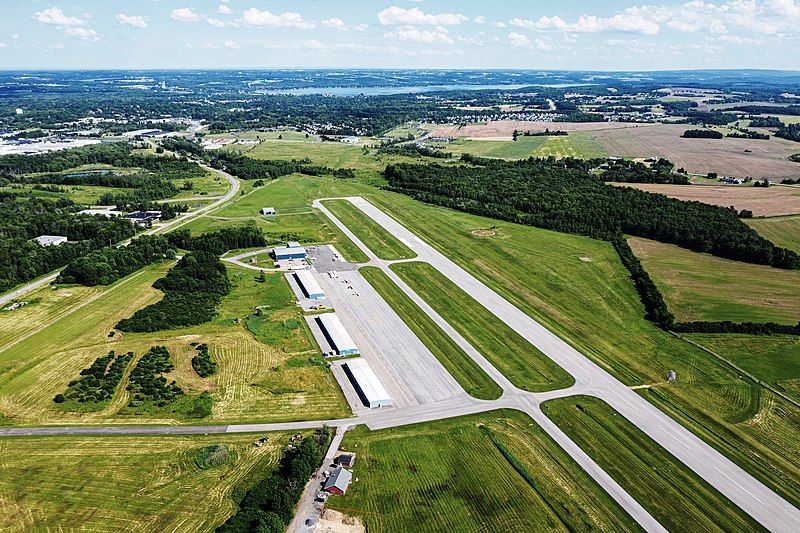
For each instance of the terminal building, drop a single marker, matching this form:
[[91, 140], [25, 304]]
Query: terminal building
[[366, 383], [308, 284], [334, 332], [292, 250]]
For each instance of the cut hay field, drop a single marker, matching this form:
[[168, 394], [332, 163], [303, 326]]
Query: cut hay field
[[673, 494], [762, 201], [267, 369], [783, 231], [703, 287], [521, 362], [575, 144], [382, 243], [451, 475], [727, 157], [504, 129], [113, 484], [460, 365]]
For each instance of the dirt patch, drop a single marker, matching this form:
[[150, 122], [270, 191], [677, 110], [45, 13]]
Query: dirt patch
[[762, 201], [586, 259], [335, 522], [504, 129], [484, 232]]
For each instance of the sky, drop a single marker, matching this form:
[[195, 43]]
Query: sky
[[458, 34]]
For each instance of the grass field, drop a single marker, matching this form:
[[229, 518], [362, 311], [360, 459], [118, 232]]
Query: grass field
[[124, 483], [268, 369], [80, 194], [460, 365], [783, 231], [211, 184], [674, 495], [521, 362], [576, 144], [451, 475], [381, 242], [703, 287]]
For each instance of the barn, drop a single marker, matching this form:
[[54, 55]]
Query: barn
[[338, 481]]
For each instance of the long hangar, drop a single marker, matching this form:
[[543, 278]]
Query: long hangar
[[335, 334], [367, 384], [308, 284]]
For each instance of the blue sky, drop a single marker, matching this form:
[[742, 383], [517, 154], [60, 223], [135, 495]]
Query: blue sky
[[530, 34]]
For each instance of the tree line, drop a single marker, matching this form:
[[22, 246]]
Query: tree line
[[702, 134], [661, 171], [247, 168]]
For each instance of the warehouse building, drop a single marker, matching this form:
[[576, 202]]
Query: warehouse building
[[50, 240], [308, 285], [366, 383], [292, 250], [334, 332]]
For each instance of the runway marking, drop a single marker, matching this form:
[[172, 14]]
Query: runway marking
[[735, 483], [677, 439], [621, 397]]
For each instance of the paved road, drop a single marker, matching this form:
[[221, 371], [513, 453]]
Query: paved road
[[7, 297], [744, 490]]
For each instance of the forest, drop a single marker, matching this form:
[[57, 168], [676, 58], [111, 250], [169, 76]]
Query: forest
[[661, 171], [565, 196], [247, 168], [702, 134]]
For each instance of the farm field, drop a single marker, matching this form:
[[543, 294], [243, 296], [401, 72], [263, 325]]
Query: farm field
[[783, 231], [727, 157], [80, 194], [124, 483], [703, 287], [504, 129], [377, 239], [768, 202], [268, 369], [521, 362], [674, 495], [460, 365], [774, 359], [575, 144], [451, 475]]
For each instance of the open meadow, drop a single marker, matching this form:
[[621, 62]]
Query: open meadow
[[382, 243], [576, 144], [106, 484], [496, 471], [783, 231], [703, 287], [674, 495], [762, 201]]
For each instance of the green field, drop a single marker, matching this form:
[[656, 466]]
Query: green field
[[521, 362], [80, 194], [98, 483], [576, 144], [268, 369], [211, 184], [460, 365], [372, 234], [783, 231], [673, 494], [451, 475], [703, 287], [521, 148]]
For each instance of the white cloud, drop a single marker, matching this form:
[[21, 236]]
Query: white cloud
[[215, 22], [223, 9], [2, 45], [335, 23], [497, 24], [394, 15], [56, 16], [184, 14], [518, 40], [415, 35], [136, 21], [313, 44], [622, 22], [233, 45], [480, 19], [82, 33], [265, 19]]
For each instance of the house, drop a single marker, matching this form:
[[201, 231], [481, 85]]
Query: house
[[267, 211], [50, 240], [338, 482], [345, 460]]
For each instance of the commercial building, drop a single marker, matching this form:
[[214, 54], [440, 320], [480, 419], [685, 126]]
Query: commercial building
[[144, 218], [292, 250], [338, 481], [108, 213], [366, 383], [50, 240], [308, 285], [334, 332]]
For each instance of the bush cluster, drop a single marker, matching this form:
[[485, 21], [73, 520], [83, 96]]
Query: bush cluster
[[99, 381], [202, 363], [147, 384]]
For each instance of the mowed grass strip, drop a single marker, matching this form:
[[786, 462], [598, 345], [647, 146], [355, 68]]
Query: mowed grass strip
[[372, 234], [521, 362], [460, 365], [100, 483], [450, 475], [673, 494], [703, 287], [783, 231]]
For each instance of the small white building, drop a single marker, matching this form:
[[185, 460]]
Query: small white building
[[50, 240], [351, 140], [267, 211], [108, 213]]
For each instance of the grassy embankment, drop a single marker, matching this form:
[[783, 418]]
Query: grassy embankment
[[453, 475], [521, 362], [783, 231], [267, 367], [462, 367], [381, 242], [150, 483], [672, 493]]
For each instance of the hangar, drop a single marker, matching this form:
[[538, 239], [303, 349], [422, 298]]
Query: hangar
[[308, 284], [366, 383], [335, 334], [292, 250]]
